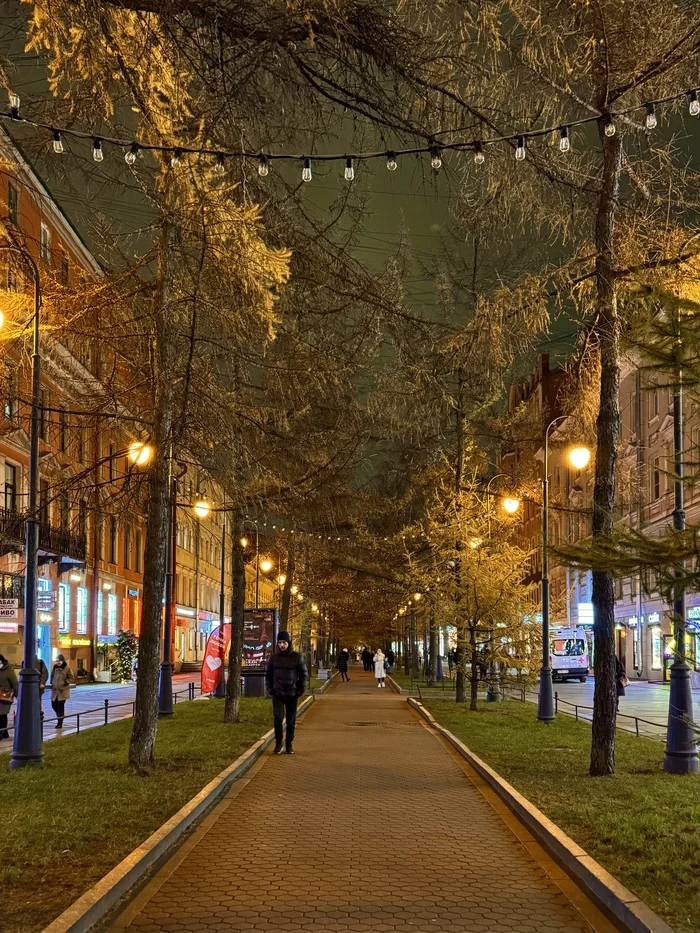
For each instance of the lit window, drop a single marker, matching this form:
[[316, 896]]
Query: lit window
[[12, 203], [100, 613], [63, 607], [81, 619], [45, 247], [112, 614]]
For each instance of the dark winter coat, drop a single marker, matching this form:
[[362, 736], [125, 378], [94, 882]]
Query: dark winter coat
[[343, 659], [286, 674], [40, 666], [619, 678], [8, 681], [391, 657]]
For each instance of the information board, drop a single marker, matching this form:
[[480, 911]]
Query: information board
[[259, 634]]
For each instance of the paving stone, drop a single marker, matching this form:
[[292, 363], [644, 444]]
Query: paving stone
[[382, 832]]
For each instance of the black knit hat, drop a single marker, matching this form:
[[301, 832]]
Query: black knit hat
[[284, 636]]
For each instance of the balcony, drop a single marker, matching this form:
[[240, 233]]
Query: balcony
[[55, 544], [12, 587]]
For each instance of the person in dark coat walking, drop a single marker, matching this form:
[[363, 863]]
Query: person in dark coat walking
[[9, 688], [343, 660], [61, 680], [620, 681], [285, 679], [366, 660], [390, 657]]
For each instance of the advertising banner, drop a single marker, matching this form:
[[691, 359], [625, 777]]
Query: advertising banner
[[215, 658], [259, 632], [9, 608]]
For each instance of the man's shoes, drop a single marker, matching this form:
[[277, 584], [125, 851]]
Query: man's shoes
[[279, 748], [290, 749]]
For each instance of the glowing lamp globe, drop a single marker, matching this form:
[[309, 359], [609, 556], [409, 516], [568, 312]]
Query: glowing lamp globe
[[580, 457], [140, 453], [201, 508], [511, 505], [266, 565]]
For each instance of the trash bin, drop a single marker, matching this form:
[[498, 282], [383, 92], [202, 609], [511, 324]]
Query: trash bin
[[253, 682]]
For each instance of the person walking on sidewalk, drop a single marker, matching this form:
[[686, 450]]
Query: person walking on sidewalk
[[621, 681], [61, 679], [390, 658], [379, 669], [285, 679], [366, 659], [343, 660], [8, 691]]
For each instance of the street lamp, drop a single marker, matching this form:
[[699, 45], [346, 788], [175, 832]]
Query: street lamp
[[511, 505], [249, 521], [139, 453], [201, 507], [266, 565], [26, 747], [579, 457], [165, 683]]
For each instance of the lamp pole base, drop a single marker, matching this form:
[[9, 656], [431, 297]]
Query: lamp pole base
[[545, 705], [28, 737], [165, 690], [681, 745]]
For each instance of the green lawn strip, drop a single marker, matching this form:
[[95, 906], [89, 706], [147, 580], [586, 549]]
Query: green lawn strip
[[642, 824], [68, 823], [404, 681]]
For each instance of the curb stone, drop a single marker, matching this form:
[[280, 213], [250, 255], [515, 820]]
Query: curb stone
[[91, 906], [614, 899], [394, 686]]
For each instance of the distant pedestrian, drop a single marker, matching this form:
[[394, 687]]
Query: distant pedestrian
[[43, 674], [8, 692], [61, 680], [343, 661], [621, 681], [391, 658], [366, 660], [379, 667], [285, 679]]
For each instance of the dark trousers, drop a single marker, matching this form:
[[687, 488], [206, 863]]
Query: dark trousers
[[59, 708], [3, 727], [344, 675], [284, 707]]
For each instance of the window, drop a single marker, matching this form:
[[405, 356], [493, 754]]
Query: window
[[81, 618], [65, 513], [11, 393], [100, 613], [12, 203], [127, 547], [63, 607], [139, 551], [656, 659], [111, 464], [112, 614], [62, 430], [10, 487], [81, 444], [65, 270], [618, 588], [656, 479], [82, 518], [112, 540], [44, 414], [654, 403], [45, 244]]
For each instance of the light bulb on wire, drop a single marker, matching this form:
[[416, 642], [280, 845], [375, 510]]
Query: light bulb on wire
[[609, 126], [693, 104], [97, 153], [520, 152], [436, 160], [176, 158], [564, 141], [651, 122], [306, 171], [349, 170], [57, 142], [479, 156], [220, 165], [263, 167], [14, 103], [391, 162], [130, 156]]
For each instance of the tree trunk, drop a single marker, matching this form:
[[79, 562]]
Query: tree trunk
[[406, 652], [474, 656], [460, 659], [415, 670], [608, 436], [306, 623], [287, 591], [460, 664], [432, 651], [232, 705], [143, 733]]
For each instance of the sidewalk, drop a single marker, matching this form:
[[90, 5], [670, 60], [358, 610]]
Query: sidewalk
[[373, 825]]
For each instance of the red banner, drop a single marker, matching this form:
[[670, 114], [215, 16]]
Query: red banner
[[215, 658]]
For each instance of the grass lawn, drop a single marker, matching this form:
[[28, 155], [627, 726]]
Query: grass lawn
[[643, 825], [446, 686], [68, 823]]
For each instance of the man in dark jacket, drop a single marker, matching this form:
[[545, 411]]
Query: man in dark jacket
[[285, 679]]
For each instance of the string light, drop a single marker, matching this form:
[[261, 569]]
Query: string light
[[57, 142], [391, 162], [176, 158], [97, 153], [349, 169], [564, 141], [693, 104], [220, 165], [609, 126], [436, 160], [263, 167], [130, 156], [306, 171], [14, 103], [651, 122], [520, 149], [479, 156]]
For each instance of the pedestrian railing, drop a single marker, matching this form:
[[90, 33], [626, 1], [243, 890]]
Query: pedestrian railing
[[102, 713]]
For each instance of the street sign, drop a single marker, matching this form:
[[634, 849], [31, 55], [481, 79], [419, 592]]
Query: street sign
[[8, 608]]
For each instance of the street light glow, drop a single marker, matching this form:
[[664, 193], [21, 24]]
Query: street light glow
[[202, 507], [282, 579], [244, 542], [580, 457], [295, 589], [417, 596], [266, 565], [139, 453], [511, 504]]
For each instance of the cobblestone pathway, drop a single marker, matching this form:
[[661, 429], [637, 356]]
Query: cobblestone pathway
[[373, 825]]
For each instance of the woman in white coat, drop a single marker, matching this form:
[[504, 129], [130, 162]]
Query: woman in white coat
[[379, 671]]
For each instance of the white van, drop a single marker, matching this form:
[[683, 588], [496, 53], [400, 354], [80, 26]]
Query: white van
[[569, 655]]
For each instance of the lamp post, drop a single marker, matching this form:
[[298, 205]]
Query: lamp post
[[249, 521], [165, 684], [681, 747], [579, 457], [511, 505], [26, 749]]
